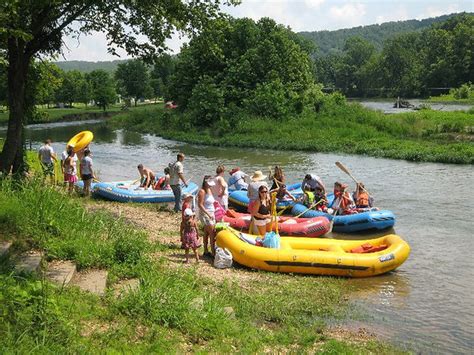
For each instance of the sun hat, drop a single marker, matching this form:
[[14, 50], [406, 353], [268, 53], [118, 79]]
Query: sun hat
[[188, 212], [258, 176], [233, 171], [187, 195]]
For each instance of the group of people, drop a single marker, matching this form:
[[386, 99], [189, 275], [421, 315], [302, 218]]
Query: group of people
[[69, 159]]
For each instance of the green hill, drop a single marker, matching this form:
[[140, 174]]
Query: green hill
[[85, 67], [333, 41]]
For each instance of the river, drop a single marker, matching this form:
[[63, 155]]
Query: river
[[386, 105], [427, 305]]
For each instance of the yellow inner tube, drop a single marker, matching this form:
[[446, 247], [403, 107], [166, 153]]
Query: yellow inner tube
[[81, 140]]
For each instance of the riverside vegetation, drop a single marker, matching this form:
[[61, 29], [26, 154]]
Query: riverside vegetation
[[271, 312], [425, 135]]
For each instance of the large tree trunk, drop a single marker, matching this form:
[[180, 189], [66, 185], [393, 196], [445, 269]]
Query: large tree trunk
[[11, 158]]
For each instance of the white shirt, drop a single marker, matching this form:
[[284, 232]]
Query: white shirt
[[238, 180], [86, 166], [46, 153], [175, 170]]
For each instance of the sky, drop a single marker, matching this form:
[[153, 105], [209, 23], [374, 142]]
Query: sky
[[299, 15]]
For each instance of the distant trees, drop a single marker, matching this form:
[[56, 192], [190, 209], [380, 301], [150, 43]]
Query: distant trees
[[409, 64], [102, 88]]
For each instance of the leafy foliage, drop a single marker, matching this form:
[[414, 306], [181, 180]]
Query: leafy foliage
[[258, 67]]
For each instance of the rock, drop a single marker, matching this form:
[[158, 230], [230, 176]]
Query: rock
[[229, 311], [4, 248], [60, 272], [94, 281], [29, 262], [125, 286], [197, 303]]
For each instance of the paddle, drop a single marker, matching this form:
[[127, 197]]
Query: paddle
[[344, 169], [310, 207]]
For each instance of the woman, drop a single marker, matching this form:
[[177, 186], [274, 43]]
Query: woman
[[261, 211], [206, 212], [343, 202], [278, 178], [220, 190], [87, 174]]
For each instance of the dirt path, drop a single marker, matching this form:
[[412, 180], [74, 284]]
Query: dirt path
[[162, 226]]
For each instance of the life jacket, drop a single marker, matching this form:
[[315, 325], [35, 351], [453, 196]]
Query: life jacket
[[160, 184], [368, 248], [363, 199], [309, 198]]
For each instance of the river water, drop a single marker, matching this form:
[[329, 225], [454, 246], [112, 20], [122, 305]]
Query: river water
[[427, 305], [386, 106]]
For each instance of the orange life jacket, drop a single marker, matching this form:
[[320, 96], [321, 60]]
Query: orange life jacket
[[362, 199], [160, 183]]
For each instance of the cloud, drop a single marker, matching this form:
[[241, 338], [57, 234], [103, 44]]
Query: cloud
[[435, 11], [399, 13], [348, 14], [313, 4]]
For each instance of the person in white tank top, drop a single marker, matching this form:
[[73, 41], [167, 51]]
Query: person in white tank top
[[206, 212], [221, 191]]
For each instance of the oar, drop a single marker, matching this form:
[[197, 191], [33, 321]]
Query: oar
[[310, 207], [274, 212], [344, 169]]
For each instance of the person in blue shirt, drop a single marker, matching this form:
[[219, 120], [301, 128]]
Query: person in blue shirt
[[237, 179]]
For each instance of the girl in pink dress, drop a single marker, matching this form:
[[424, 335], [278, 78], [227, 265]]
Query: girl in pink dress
[[189, 235]]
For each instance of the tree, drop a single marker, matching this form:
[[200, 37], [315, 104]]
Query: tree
[[242, 60], [49, 80], [103, 88], [69, 91], [29, 29], [161, 74], [133, 80]]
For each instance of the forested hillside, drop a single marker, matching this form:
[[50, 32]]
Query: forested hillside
[[329, 42], [87, 67]]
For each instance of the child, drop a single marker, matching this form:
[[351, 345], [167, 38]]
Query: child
[[189, 235], [283, 194], [163, 182], [363, 201], [320, 198], [343, 202], [187, 203]]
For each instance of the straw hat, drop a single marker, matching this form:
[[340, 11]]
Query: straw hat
[[258, 176]]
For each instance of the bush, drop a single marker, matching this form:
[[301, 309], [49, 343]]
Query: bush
[[269, 100], [206, 104]]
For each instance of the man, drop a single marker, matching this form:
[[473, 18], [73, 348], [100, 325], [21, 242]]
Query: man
[[237, 179], [47, 157], [87, 173], [177, 174], [147, 176], [311, 182]]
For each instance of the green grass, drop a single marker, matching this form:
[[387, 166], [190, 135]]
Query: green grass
[[424, 135], [173, 310], [78, 112]]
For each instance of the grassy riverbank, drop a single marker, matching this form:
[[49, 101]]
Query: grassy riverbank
[[424, 135], [77, 113], [175, 309]]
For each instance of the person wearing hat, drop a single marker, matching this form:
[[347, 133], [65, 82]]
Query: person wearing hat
[[206, 212], [187, 202], [189, 234], [256, 180], [237, 179], [87, 173]]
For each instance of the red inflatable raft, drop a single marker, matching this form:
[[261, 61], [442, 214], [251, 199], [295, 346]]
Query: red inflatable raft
[[287, 225]]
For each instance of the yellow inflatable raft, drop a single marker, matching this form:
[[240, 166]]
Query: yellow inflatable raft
[[350, 258], [81, 140]]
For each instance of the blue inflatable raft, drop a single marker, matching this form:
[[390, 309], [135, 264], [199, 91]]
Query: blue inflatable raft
[[129, 191], [364, 221], [240, 200]]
